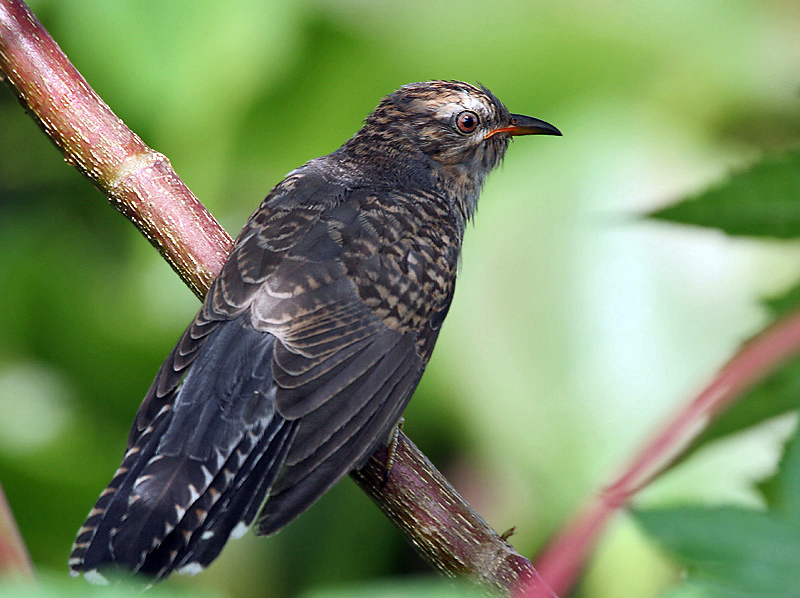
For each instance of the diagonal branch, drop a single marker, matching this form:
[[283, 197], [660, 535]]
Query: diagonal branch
[[441, 525], [138, 181], [141, 184], [14, 557], [561, 561]]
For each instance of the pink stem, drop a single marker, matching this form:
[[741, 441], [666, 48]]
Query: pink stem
[[563, 559], [14, 557]]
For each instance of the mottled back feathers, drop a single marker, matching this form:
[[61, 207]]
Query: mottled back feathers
[[310, 342]]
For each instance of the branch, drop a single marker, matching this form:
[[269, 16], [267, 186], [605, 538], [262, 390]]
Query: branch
[[141, 184], [14, 557], [562, 560], [444, 529], [137, 181]]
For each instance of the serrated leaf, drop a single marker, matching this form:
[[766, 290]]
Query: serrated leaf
[[761, 201], [730, 551], [782, 491], [738, 552]]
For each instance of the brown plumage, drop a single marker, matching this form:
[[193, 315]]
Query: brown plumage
[[311, 340]]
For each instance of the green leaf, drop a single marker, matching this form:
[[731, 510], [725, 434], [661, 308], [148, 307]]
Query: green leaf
[[762, 201], [63, 586], [730, 551], [785, 303], [688, 590], [782, 491], [406, 588]]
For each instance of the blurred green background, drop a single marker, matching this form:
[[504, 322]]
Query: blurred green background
[[576, 328]]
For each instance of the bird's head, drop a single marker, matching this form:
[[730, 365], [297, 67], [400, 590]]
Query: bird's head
[[456, 123], [464, 129]]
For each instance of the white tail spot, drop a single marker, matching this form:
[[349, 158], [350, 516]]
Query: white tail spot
[[240, 530], [190, 569], [95, 577]]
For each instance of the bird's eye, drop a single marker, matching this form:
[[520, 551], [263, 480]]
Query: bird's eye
[[467, 122]]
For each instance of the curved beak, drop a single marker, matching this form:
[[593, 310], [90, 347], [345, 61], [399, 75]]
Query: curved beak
[[525, 125]]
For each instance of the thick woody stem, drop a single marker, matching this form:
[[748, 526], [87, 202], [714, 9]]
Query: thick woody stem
[[562, 560], [141, 184], [138, 181], [444, 529]]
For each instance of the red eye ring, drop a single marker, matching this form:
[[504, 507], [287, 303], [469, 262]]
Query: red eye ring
[[467, 122]]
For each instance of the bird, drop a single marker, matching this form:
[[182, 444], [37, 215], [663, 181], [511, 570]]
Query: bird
[[310, 341]]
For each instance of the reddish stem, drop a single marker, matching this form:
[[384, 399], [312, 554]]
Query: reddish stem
[[14, 557], [563, 559]]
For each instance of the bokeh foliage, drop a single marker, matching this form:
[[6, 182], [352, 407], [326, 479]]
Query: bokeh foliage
[[734, 551], [574, 330]]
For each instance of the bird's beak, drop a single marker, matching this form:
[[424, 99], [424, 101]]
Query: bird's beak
[[525, 125]]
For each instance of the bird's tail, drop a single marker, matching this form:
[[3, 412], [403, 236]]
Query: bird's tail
[[185, 487]]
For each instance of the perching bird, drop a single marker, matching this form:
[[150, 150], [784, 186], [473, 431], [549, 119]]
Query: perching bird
[[310, 341]]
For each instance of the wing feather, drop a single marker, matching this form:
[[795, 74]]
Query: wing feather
[[309, 474], [301, 360]]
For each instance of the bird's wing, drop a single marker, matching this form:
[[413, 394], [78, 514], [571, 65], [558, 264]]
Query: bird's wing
[[302, 358], [353, 337]]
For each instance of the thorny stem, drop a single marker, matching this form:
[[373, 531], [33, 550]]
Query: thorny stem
[[141, 184]]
